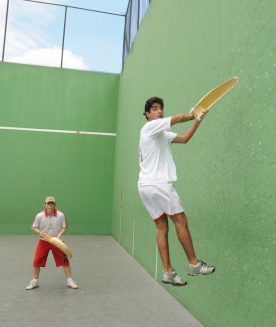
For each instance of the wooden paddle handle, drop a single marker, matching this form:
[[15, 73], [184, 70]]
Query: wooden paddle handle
[[47, 237]]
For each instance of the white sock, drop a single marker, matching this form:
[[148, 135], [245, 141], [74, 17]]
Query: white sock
[[69, 279], [196, 264]]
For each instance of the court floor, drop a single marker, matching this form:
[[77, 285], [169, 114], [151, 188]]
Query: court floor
[[114, 290]]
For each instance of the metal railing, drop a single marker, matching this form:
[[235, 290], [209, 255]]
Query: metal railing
[[133, 16], [135, 12]]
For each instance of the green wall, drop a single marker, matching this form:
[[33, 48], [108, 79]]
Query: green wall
[[77, 169], [226, 173]]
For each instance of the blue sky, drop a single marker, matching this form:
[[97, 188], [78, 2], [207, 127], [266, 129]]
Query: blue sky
[[93, 41]]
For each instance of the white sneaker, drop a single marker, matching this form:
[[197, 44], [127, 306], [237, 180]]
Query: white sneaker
[[200, 269], [72, 284], [172, 278], [33, 284]]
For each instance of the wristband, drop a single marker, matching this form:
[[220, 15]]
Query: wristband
[[196, 117]]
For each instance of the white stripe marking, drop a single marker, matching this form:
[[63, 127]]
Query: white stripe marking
[[120, 230], [156, 261], [121, 207], [133, 237], [54, 131]]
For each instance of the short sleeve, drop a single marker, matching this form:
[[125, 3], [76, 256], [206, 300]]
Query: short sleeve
[[64, 222], [157, 126], [36, 221], [170, 136]]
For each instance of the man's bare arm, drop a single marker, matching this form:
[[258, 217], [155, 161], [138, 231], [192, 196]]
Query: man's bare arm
[[186, 136], [36, 230], [181, 118]]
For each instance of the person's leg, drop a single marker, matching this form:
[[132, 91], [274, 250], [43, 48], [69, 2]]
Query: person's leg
[[184, 236], [195, 267], [36, 272], [40, 260], [34, 282], [162, 242], [67, 271], [69, 281], [169, 276], [62, 260]]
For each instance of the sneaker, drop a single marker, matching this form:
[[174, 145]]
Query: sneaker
[[33, 284], [72, 284], [173, 278], [200, 269]]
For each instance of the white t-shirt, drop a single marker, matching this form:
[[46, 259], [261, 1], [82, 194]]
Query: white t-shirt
[[155, 157], [50, 224]]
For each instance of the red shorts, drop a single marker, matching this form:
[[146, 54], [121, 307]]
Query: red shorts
[[42, 251]]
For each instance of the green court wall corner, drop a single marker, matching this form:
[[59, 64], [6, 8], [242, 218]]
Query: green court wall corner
[[76, 168]]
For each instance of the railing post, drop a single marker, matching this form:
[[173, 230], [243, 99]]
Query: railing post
[[63, 38], [5, 31], [138, 18]]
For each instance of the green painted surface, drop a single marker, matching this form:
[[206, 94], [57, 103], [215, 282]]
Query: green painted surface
[[226, 173], [77, 169]]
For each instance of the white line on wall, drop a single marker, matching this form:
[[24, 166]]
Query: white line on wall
[[121, 208], [156, 261], [25, 129], [120, 230], [133, 237]]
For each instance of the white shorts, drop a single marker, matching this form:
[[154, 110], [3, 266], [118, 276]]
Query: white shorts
[[159, 200]]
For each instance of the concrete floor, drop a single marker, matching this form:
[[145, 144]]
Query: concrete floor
[[114, 290]]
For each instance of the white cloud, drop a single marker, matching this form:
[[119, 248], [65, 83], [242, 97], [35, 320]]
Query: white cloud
[[50, 57], [27, 43], [39, 13], [18, 42]]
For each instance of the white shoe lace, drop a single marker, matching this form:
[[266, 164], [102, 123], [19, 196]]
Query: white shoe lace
[[205, 268], [178, 280]]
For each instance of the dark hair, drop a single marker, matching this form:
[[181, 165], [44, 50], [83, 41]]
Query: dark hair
[[151, 101]]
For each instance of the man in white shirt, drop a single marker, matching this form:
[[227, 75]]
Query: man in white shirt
[[157, 173]]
